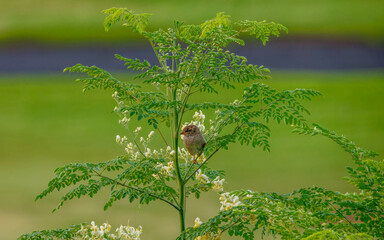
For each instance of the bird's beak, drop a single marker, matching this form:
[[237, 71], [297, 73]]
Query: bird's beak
[[182, 133]]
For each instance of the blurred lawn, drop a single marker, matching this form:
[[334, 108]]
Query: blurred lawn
[[72, 20], [46, 122]]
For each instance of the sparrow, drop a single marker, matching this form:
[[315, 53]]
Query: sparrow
[[193, 140]]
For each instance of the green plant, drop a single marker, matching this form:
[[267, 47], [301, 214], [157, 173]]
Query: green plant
[[192, 58]]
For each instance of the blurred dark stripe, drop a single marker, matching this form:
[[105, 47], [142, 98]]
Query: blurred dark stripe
[[278, 54]]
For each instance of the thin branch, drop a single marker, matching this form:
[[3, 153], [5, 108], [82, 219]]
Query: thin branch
[[189, 169], [162, 179], [137, 100], [230, 225], [201, 164], [191, 166], [162, 136], [137, 145], [159, 174], [138, 190], [157, 54], [189, 90], [216, 150], [342, 215]]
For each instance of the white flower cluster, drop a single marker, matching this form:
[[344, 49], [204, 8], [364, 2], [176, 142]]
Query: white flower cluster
[[137, 130], [236, 103], [216, 124], [167, 170], [129, 233], [201, 177], [210, 236], [102, 232], [119, 107], [202, 158], [198, 222], [188, 158], [198, 120], [228, 201], [217, 183], [169, 154], [125, 121], [115, 95], [184, 154], [130, 148], [181, 91], [144, 141]]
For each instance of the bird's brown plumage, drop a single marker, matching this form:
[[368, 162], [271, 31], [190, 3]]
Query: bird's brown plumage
[[193, 140]]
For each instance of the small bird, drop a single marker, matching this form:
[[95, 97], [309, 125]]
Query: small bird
[[193, 140]]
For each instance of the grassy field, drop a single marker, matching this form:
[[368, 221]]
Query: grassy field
[[71, 20], [46, 122]]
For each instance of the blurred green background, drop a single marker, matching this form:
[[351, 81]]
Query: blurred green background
[[72, 20], [46, 121]]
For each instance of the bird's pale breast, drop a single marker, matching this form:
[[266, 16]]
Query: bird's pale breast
[[194, 144]]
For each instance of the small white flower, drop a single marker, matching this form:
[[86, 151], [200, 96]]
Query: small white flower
[[151, 134], [199, 116], [118, 138], [201, 178], [155, 153], [172, 153], [141, 139], [218, 184], [228, 201], [198, 222], [124, 121], [130, 149], [102, 232], [94, 228], [237, 102], [106, 227], [168, 170], [148, 153], [201, 158], [138, 129], [156, 176]]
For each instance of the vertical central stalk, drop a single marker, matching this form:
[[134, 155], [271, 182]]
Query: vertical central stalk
[[179, 177]]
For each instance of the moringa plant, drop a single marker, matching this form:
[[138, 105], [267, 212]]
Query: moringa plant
[[195, 59]]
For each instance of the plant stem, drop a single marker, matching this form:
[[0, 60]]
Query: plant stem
[[178, 173], [181, 207]]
